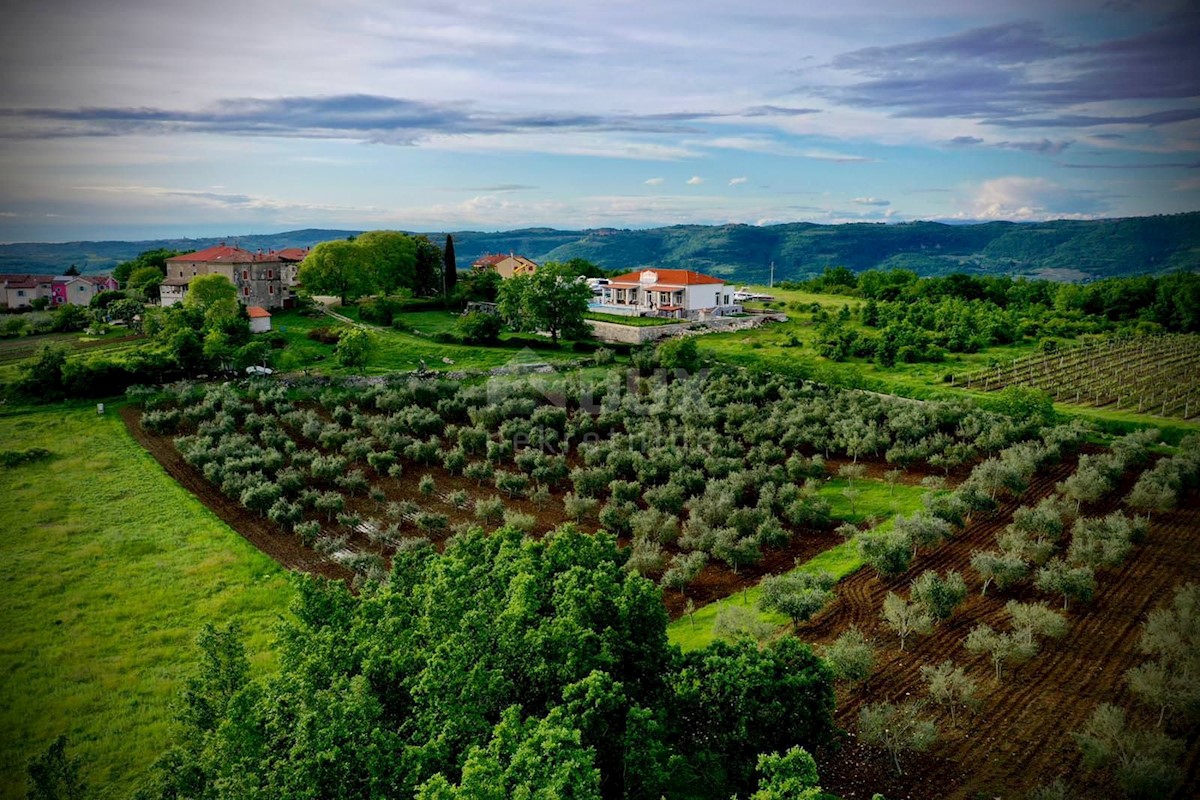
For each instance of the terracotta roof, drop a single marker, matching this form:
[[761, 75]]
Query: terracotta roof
[[223, 254], [258, 312], [490, 260], [292, 253], [21, 283], [668, 277]]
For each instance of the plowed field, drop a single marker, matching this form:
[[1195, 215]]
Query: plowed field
[[1020, 737]]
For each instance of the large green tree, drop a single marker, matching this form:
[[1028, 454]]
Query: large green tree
[[336, 268], [501, 667], [149, 258], [550, 299], [388, 259]]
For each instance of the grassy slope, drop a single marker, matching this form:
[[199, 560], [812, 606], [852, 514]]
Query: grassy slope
[[396, 351], [109, 569], [877, 500]]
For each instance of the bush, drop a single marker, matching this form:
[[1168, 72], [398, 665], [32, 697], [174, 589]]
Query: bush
[[490, 510], [326, 334], [479, 328]]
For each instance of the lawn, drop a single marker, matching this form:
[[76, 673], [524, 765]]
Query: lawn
[[399, 351], [109, 571], [633, 322], [877, 500]]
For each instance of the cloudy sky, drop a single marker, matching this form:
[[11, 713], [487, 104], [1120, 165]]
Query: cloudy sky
[[147, 118]]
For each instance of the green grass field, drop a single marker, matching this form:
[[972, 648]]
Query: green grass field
[[877, 500], [399, 351], [109, 571]]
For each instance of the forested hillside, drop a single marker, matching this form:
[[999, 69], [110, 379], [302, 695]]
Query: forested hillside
[[1061, 249]]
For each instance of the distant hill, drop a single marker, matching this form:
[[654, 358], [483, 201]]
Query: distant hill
[[1061, 249]]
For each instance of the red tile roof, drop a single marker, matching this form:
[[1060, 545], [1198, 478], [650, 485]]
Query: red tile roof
[[490, 260], [668, 277], [292, 253], [223, 254], [258, 312]]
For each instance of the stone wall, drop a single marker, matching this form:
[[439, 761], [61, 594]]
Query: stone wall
[[629, 334]]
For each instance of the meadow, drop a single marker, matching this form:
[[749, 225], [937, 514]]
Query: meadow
[[110, 569]]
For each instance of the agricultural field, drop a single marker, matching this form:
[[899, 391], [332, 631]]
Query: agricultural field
[[339, 481], [713, 480], [1154, 374], [110, 569]]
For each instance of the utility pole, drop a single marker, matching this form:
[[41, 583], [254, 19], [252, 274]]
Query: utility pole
[[772, 284]]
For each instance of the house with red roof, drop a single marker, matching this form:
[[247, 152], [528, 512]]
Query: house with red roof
[[678, 293], [19, 291], [260, 319], [262, 279]]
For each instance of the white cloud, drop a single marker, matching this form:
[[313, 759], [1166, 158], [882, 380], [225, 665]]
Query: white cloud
[[1020, 198], [870, 201], [695, 180], [653, 181], [738, 181]]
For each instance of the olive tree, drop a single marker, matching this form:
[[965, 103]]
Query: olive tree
[[951, 687], [1145, 763], [850, 656], [897, 729], [939, 596], [797, 595], [1005, 569], [905, 618]]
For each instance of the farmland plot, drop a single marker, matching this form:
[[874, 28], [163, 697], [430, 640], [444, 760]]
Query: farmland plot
[[1154, 375], [1020, 734], [713, 480]]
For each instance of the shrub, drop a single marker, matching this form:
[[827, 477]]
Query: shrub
[[850, 656], [490, 510], [478, 328], [526, 523], [939, 595]]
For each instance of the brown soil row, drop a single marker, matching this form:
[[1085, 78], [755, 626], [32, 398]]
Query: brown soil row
[[262, 533], [1021, 736]]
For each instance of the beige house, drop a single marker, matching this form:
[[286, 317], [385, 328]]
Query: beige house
[[19, 291], [506, 265], [262, 279]]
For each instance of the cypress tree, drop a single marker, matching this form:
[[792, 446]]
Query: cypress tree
[[450, 268]]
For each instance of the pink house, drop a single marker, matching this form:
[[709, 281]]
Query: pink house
[[79, 289]]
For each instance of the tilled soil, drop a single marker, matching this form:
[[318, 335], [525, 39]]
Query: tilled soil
[[1021, 735]]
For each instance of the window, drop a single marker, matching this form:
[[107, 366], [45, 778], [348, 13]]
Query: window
[[20, 292], [270, 274], [271, 289], [245, 291], [245, 274]]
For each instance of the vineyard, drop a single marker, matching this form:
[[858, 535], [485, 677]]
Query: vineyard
[[1150, 375]]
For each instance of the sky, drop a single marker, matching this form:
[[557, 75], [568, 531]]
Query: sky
[[130, 119]]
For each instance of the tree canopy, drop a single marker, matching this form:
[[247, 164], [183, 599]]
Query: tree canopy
[[550, 299], [503, 667]]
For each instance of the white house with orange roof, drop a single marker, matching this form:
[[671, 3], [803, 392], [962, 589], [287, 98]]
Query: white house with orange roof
[[678, 293]]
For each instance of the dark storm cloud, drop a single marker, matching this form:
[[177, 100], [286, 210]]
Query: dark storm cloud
[[368, 117], [1019, 75]]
